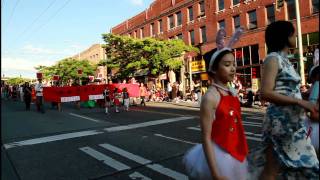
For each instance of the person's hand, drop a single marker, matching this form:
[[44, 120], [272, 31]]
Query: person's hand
[[314, 116], [309, 106]]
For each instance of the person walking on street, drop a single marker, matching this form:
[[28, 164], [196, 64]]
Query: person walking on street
[[116, 99], [286, 148], [125, 96], [27, 95], [106, 95], [39, 96], [143, 93], [222, 154]]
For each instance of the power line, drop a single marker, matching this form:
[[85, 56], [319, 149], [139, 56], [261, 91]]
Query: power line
[[14, 8], [46, 22], [35, 20]]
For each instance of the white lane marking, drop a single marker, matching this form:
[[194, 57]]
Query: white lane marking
[[176, 139], [51, 138], [166, 113], [194, 128], [106, 159], [253, 138], [156, 167], [252, 124], [145, 124], [137, 175], [253, 134], [84, 117]]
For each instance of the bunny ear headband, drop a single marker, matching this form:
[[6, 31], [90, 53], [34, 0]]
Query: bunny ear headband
[[220, 44]]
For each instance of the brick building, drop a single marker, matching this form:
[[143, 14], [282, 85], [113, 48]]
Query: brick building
[[197, 21], [94, 54]]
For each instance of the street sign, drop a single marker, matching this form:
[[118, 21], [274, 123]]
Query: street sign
[[79, 71]]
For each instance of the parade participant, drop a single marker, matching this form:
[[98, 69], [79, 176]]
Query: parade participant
[[116, 99], [106, 95], [39, 96], [125, 96], [314, 97], [27, 91], [285, 148], [143, 93], [222, 154]]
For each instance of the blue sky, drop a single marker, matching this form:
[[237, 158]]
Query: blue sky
[[41, 32]]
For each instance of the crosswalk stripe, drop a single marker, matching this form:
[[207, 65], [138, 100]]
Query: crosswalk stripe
[[145, 124], [51, 138], [156, 167], [137, 175], [106, 159], [84, 117]]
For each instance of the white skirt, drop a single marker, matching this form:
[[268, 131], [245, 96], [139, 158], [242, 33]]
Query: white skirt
[[126, 102], [197, 167]]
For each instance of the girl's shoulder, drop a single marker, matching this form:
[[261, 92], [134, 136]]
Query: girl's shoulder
[[211, 97]]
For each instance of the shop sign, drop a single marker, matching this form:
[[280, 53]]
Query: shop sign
[[255, 84], [198, 66]]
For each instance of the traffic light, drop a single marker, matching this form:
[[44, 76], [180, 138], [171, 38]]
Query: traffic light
[[279, 4]]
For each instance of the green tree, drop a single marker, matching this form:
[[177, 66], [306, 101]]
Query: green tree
[[155, 56], [68, 69], [17, 80]]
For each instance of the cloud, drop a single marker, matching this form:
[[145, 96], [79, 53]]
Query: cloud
[[37, 50], [13, 65], [137, 2]]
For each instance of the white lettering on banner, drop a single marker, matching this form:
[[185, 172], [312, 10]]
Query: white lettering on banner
[[93, 97], [70, 98]]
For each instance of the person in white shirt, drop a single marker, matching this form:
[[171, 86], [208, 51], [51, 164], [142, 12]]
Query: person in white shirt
[[21, 92], [39, 96]]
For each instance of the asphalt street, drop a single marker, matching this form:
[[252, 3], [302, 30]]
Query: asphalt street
[[144, 143]]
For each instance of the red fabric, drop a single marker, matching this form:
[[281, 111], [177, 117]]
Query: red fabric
[[227, 128], [54, 94]]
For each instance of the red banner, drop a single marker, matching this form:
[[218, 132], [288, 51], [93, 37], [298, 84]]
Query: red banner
[[85, 93]]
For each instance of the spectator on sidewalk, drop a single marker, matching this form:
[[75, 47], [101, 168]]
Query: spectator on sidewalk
[[143, 92]]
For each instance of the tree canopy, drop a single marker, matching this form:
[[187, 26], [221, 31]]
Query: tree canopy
[[155, 56], [17, 80], [67, 69]]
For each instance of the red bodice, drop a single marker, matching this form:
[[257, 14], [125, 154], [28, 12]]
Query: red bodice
[[227, 129]]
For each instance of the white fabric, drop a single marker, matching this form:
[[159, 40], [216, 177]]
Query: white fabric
[[197, 167], [126, 102], [39, 88]]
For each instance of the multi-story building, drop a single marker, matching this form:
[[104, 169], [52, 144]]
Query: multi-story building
[[94, 55], [197, 21]]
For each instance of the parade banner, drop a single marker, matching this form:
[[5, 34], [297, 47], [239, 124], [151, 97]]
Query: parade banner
[[85, 93]]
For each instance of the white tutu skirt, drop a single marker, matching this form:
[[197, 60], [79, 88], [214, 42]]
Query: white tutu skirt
[[197, 167]]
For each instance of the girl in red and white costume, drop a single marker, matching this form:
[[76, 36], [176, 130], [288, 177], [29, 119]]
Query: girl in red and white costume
[[222, 154]]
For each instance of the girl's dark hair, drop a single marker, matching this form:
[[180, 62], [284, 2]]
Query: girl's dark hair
[[207, 58], [277, 34]]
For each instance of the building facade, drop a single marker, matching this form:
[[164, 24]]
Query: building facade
[[196, 22], [94, 54]]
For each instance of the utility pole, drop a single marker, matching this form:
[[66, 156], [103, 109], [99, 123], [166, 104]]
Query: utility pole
[[301, 62]]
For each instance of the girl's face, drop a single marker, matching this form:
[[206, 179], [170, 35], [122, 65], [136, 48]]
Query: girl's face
[[226, 68]]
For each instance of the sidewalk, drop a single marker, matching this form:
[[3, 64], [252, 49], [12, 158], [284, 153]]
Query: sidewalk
[[197, 106]]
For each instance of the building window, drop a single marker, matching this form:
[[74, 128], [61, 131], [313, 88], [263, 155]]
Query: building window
[[152, 29], [220, 5], [235, 2], [270, 14], [315, 6], [142, 33], [222, 24], [236, 21], [291, 8], [191, 35], [203, 34], [201, 9], [246, 55], [239, 56], [252, 19], [171, 21], [160, 26], [314, 38], [190, 13], [255, 54], [179, 36], [179, 18]]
